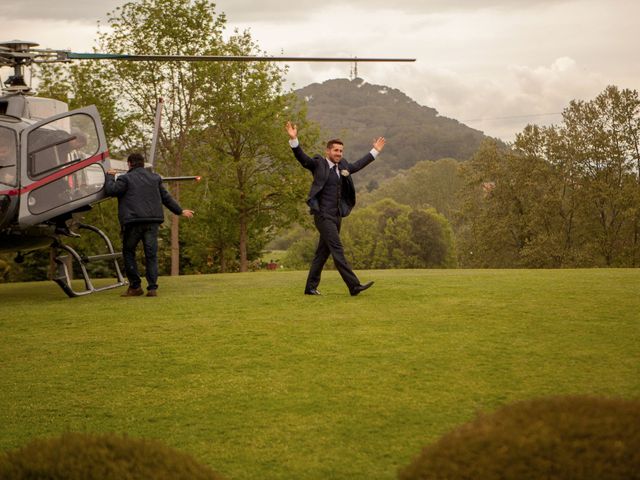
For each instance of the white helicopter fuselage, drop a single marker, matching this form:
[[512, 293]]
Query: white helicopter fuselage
[[52, 165]]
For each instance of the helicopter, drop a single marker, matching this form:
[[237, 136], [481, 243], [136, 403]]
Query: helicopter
[[53, 161]]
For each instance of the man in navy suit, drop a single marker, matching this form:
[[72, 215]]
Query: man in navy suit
[[332, 196]]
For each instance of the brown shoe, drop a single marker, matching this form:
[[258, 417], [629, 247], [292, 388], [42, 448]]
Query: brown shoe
[[133, 292], [152, 293]]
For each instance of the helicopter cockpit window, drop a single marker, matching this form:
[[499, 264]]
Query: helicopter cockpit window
[[60, 143], [7, 156]]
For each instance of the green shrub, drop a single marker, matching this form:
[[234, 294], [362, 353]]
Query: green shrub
[[572, 438], [76, 456]]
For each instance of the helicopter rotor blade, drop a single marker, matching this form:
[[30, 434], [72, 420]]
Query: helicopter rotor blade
[[223, 58]]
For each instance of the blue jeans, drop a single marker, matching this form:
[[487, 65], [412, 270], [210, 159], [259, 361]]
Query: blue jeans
[[131, 235]]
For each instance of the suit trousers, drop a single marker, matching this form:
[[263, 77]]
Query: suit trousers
[[329, 244]]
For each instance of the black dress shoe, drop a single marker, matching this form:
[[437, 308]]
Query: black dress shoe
[[312, 291], [65, 231], [360, 288]]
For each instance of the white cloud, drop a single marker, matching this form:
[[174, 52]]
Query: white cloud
[[264, 10], [521, 94], [55, 34], [69, 10]]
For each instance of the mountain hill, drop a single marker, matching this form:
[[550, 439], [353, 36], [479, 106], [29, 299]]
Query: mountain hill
[[356, 112]]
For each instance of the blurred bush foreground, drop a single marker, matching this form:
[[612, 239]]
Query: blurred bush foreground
[[564, 438]]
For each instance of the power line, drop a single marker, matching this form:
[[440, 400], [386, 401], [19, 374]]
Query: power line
[[511, 116]]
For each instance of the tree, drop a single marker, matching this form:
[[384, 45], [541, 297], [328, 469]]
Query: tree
[[603, 137], [426, 184], [171, 27], [390, 235], [82, 84], [490, 223], [250, 156], [560, 196], [554, 214]]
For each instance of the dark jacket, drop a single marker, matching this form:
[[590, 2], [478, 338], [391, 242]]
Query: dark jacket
[[140, 196], [320, 168]]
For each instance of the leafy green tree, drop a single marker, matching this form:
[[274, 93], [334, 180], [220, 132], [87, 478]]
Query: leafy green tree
[[170, 27], [426, 184], [249, 154], [433, 241], [82, 84], [559, 196], [213, 238], [490, 224], [558, 232], [603, 137], [391, 235], [300, 253]]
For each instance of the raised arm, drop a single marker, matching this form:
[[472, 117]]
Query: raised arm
[[378, 145], [292, 130], [305, 160]]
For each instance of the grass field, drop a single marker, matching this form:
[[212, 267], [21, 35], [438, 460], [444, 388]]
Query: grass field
[[261, 382]]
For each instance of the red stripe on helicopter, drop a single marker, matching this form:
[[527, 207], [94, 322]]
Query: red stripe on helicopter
[[100, 157]]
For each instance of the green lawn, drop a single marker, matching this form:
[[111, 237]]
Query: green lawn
[[261, 382]]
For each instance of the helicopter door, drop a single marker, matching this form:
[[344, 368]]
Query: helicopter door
[[61, 166], [8, 178]]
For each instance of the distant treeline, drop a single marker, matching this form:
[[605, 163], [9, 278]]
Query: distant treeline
[[560, 196]]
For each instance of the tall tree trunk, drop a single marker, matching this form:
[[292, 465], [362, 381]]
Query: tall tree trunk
[[175, 232], [175, 245], [244, 264], [223, 261], [636, 242]]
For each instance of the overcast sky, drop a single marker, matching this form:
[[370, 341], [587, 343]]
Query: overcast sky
[[494, 65]]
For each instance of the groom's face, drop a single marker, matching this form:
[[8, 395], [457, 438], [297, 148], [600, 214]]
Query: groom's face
[[334, 152]]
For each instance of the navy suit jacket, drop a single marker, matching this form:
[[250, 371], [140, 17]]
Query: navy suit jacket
[[320, 169]]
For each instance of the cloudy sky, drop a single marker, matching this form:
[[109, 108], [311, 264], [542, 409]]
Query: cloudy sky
[[495, 65]]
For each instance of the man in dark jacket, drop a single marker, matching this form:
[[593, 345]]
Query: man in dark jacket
[[331, 197], [141, 196]]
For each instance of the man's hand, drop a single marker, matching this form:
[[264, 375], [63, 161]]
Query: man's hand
[[111, 171], [292, 130], [187, 213], [378, 143]]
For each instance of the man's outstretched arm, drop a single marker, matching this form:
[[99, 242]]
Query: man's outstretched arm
[[304, 159], [169, 202], [378, 145]]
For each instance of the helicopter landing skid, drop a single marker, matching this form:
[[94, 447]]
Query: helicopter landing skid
[[64, 275]]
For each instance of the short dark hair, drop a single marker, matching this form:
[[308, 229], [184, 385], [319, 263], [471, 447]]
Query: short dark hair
[[331, 143], [136, 160]]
